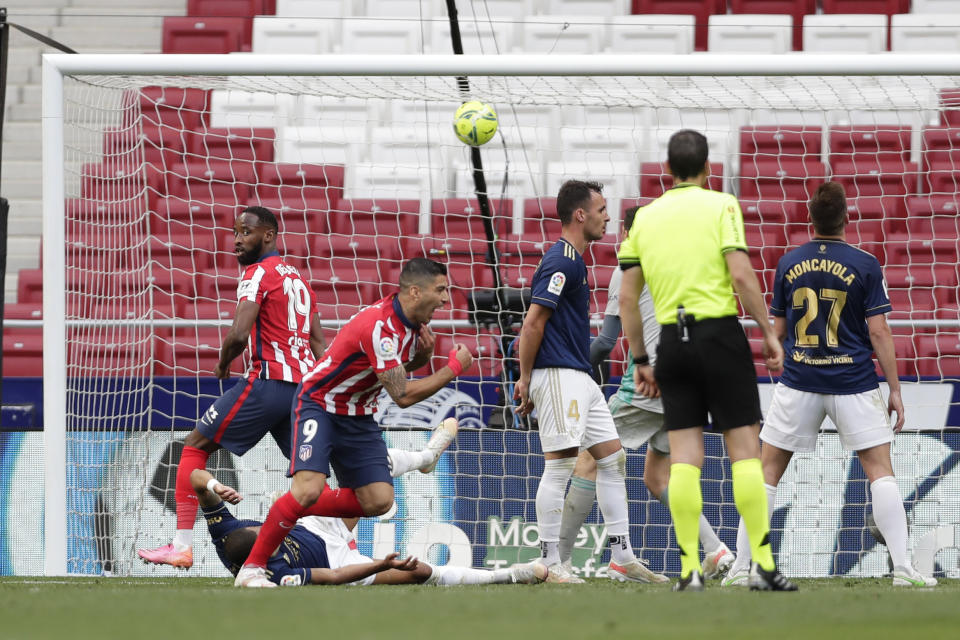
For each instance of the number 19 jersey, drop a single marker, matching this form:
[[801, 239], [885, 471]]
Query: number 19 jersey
[[826, 290], [280, 340]]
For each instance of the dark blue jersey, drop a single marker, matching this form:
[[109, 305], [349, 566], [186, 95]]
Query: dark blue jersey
[[560, 283], [299, 552], [826, 290]]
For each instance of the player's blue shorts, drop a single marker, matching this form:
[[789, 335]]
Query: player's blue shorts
[[353, 445], [250, 410]]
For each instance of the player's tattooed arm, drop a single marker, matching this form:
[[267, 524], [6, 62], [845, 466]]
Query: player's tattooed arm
[[395, 382]]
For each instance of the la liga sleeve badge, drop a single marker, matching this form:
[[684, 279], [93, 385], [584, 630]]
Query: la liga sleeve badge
[[557, 281]]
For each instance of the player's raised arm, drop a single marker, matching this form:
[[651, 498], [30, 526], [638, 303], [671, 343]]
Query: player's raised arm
[[406, 392], [317, 342], [210, 491]]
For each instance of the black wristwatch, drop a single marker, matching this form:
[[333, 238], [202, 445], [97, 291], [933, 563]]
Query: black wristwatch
[[641, 360]]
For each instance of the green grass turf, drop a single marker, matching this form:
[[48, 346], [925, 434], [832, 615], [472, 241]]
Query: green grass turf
[[187, 608]]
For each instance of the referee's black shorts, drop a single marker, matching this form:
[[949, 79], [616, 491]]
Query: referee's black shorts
[[713, 372]]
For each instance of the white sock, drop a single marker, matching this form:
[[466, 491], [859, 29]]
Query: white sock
[[448, 576], [744, 555], [183, 539], [402, 461], [612, 498], [576, 508], [550, 492], [891, 518], [708, 537]]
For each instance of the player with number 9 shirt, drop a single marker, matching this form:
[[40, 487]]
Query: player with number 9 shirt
[[276, 317]]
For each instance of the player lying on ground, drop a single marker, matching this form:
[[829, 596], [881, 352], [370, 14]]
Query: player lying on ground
[[323, 551]]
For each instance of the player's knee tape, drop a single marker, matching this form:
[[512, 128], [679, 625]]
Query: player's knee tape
[[617, 461], [559, 467]]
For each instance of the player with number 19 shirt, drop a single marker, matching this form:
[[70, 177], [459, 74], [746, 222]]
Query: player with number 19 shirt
[[276, 317]]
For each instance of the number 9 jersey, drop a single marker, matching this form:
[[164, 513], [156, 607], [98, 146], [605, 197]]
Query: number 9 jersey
[[826, 290], [280, 340]]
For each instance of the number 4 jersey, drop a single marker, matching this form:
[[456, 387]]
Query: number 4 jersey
[[280, 340], [826, 289]]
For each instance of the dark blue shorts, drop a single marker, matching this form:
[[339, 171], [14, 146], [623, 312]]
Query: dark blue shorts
[[250, 410], [353, 445]]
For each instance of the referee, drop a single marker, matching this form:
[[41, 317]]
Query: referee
[[688, 247]]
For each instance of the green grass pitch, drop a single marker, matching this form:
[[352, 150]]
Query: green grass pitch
[[845, 609]]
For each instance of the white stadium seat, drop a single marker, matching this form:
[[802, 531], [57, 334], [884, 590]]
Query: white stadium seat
[[244, 109], [619, 179], [750, 33], [316, 8], [510, 10], [601, 143], [563, 34], [935, 6], [291, 35], [596, 8], [365, 180], [331, 110], [845, 33], [477, 37], [407, 8], [319, 145], [408, 146], [361, 35], [925, 32], [652, 34]]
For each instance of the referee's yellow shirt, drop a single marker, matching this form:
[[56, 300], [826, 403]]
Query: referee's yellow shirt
[[679, 240]]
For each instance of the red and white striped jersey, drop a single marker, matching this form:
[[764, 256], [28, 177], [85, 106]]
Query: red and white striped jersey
[[280, 340], [375, 340]]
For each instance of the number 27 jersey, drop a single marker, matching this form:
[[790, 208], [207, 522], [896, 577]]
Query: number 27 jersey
[[280, 340], [826, 289]]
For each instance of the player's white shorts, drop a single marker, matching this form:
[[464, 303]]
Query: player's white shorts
[[636, 426], [571, 409], [794, 417], [338, 539]]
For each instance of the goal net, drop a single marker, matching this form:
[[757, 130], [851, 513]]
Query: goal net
[[358, 159]]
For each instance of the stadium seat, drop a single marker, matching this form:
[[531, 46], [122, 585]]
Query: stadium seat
[[637, 34], [750, 33], [406, 8], [784, 178], [700, 9], [461, 217], [944, 207], [217, 143], [114, 182], [213, 181], [654, 179], [206, 35], [775, 140], [174, 215], [23, 311], [483, 346], [913, 249], [866, 176], [193, 351], [278, 35], [477, 37], [22, 352], [297, 217], [875, 207], [619, 178], [248, 109], [187, 253], [156, 145], [365, 180], [771, 211], [381, 36], [883, 142], [592, 8], [209, 310], [387, 219], [540, 221], [234, 8], [922, 33], [796, 9], [940, 156], [562, 34], [316, 8], [888, 7], [301, 182], [906, 352], [845, 33], [934, 6], [939, 354]]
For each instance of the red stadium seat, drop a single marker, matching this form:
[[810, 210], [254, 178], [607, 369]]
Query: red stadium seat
[[234, 8], [206, 35], [296, 183], [783, 178], [114, 182], [940, 158], [173, 107], [23, 311], [941, 206], [224, 182], [950, 107], [700, 9], [654, 179], [776, 140], [187, 253], [208, 286], [888, 7], [232, 144], [296, 217], [867, 176], [22, 352], [875, 207], [30, 286], [540, 221], [108, 351], [771, 211], [939, 354], [906, 352], [175, 214], [796, 9], [883, 142], [209, 310], [461, 217], [484, 347], [193, 351], [603, 252], [384, 219]]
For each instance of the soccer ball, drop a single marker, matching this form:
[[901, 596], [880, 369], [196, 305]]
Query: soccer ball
[[475, 123]]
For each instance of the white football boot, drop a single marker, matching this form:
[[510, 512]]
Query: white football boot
[[635, 571], [717, 563], [529, 573], [907, 576], [443, 435], [253, 578]]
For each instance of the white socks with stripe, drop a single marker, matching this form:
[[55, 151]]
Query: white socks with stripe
[[891, 517], [576, 508], [550, 493], [612, 498]]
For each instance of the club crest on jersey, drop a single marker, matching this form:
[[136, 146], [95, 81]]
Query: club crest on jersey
[[387, 348], [306, 451], [557, 281]]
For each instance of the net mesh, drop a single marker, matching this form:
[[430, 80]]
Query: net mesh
[[365, 173]]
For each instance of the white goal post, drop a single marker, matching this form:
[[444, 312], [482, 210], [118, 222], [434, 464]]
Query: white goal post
[[635, 99]]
